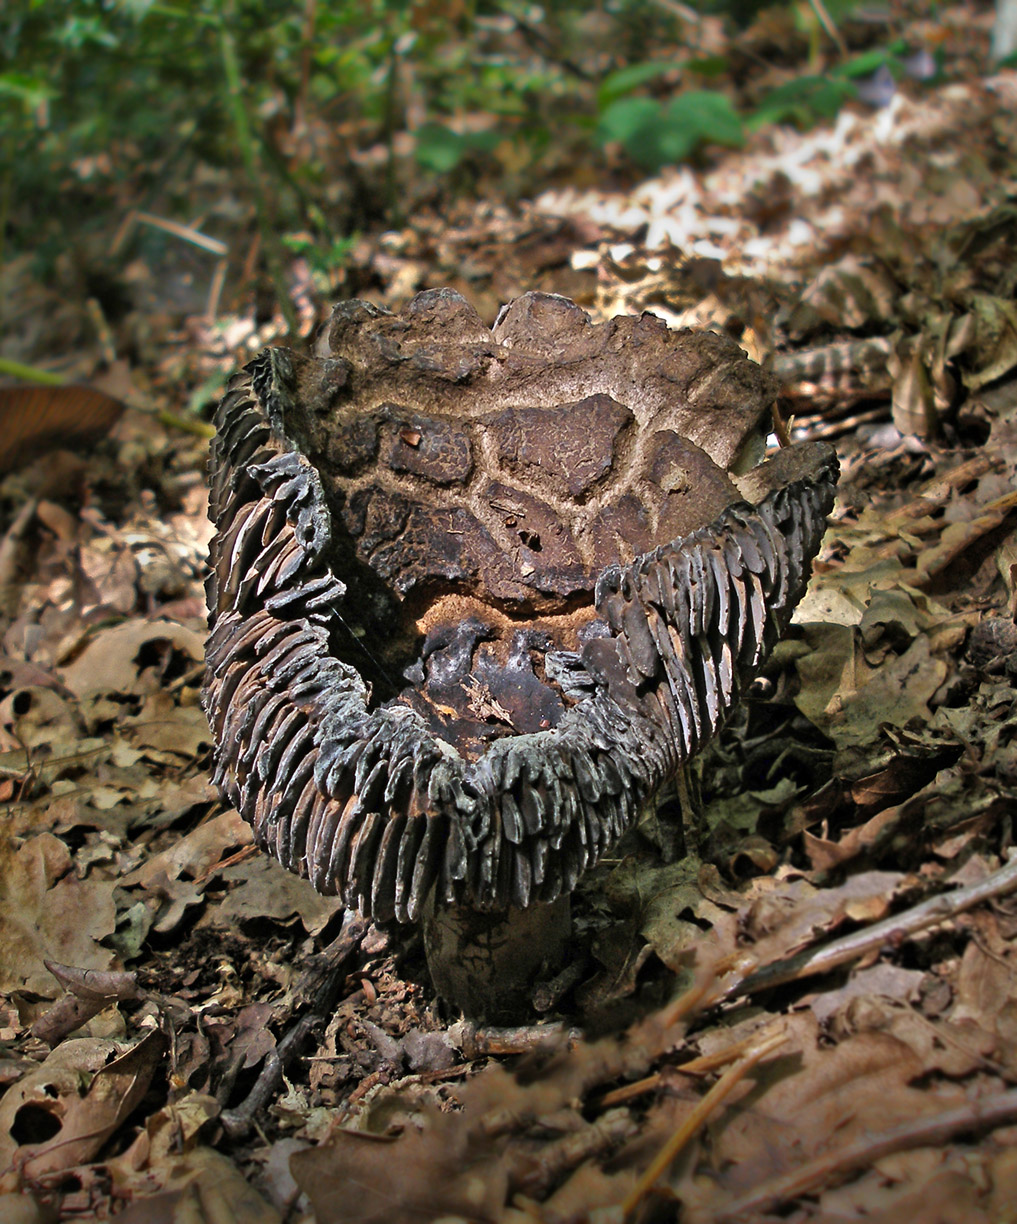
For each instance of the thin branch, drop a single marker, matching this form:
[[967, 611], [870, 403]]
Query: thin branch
[[930, 913], [696, 1119], [931, 1132], [186, 232], [322, 981], [17, 369]]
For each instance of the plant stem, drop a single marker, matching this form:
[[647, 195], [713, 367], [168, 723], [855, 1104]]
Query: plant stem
[[252, 163], [16, 369]]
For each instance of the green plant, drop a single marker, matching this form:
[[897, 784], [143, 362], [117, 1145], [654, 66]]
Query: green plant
[[655, 134]]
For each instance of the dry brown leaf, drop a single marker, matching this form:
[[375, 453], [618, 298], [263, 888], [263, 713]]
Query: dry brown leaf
[[960, 536], [264, 889], [883, 980], [848, 699], [205, 1188], [47, 913], [914, 401], [838, 1093], [995, 340], [85, 1097], [108, 662], [167, 727], [194, 855], [35, 419], [790, 915], [109, 576], [442, 1170], [18, 1208]]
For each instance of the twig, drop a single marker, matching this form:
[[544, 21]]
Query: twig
[[306, 54], [102, 330], [186, 232], [781, 427], [695, 1066], [696, 1119], [931, 561], [819, 429], [323, 982], [933, 912], [931, 1132], [215, 289], [10, 548], [547, 995], [938, 491], [682, 10], [200, 429], [535, 37], [537, 1173], [476, 1042]]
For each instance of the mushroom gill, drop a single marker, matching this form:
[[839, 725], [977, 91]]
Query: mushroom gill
[[477, 595]]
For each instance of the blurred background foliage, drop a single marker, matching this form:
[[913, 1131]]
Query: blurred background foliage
[[317, 120]]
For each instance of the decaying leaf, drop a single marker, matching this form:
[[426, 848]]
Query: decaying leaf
[[47, 913], [84, 1090]]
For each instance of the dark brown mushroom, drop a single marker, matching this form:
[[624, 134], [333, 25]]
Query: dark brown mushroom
[[477, 594]]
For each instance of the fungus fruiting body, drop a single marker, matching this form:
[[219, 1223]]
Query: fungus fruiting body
[[477, 594]]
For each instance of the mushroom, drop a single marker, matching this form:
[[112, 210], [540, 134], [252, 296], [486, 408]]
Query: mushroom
[[476, 596]]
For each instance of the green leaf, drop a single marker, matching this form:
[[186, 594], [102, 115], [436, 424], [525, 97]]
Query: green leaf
[[706, 115], [485, 141], [88, 31], [617, 84], [656, 136], [709, 65], [32, 91], [865, 65], [658, 145], [438, 149], [624, 118], [802, 101]]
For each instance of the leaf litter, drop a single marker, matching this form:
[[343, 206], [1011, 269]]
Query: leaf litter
[[791, 999]]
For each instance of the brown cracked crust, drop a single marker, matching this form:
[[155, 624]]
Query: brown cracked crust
[[541, 708]]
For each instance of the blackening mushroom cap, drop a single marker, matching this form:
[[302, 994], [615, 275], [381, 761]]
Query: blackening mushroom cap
[[477, 594]]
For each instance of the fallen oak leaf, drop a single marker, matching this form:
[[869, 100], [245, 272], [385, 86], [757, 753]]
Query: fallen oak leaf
[[444, 1170], [194, 855], [83, 1120], [697, 1119], [203, 1187], [893, 930], [88, 993], [107, 663], [463, 1163]]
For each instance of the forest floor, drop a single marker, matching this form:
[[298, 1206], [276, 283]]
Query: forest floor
[[808, 1015]]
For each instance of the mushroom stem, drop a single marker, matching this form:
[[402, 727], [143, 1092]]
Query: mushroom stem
[[486, 963]]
